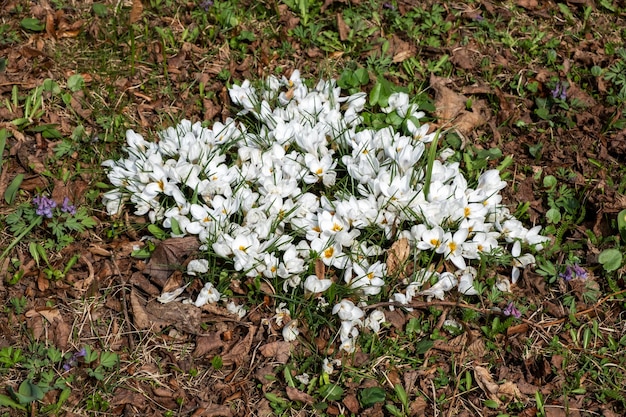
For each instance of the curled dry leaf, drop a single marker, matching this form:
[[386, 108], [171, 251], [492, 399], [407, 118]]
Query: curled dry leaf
[[397, 256], [140, 317], [320, 269], [295, 394], [486, 383], [59, 330], [136, 11], [343, 29], [238, 353]]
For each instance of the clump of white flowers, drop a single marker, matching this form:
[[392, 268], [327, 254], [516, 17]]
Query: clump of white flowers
[[300, 177]]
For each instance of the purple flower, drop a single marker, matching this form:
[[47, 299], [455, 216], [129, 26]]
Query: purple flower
[[73, 361], [511, 310], [572, 272], [67, 207], [568, 275], [560, 91], [579, 271], [478, 17], [205, 5], [44, 205], [389, 6]]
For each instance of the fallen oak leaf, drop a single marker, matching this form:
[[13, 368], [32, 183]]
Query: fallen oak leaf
[[279, 350], [168, 256]]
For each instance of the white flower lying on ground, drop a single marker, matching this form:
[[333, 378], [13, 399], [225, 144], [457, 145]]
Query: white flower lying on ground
[[208, 294], [299, 177]]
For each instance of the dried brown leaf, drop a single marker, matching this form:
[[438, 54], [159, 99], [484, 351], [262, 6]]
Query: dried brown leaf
[[320, 269], [238, 352], [50, 26], [280, 351], [168, 256], [136, 11], [448, 103], [467, 121], [208, 343], [486, 383], [124, 396], [185, 317], [295, 394], [509, 391], [351, 403], [214, 410], [140, 317], [418, 407], [397, 256], [343, 29], [60, 333], [35, 322], [528, 4], [140, 281]]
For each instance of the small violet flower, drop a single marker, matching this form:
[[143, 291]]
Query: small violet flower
[[511, 310], [573, 272], [66, 207], [73, 361], [44, 206], [205, 5], [560, 91]]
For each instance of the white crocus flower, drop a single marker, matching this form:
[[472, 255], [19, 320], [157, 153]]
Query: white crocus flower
[[282, 314], [314, 285], [243, 95], [368, 281], [327, 366], [346, 310], [446, 282], [348, 345], [236, 309], [197, 267], [329, 252], [431, 239], [521, 262], [375, 320], [208, 294], [466, 281], [290, 331], [320, 168], [452, 247], [398, 102]]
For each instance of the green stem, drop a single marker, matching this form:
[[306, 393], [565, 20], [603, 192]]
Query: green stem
[[432, 153], [15, 241]]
